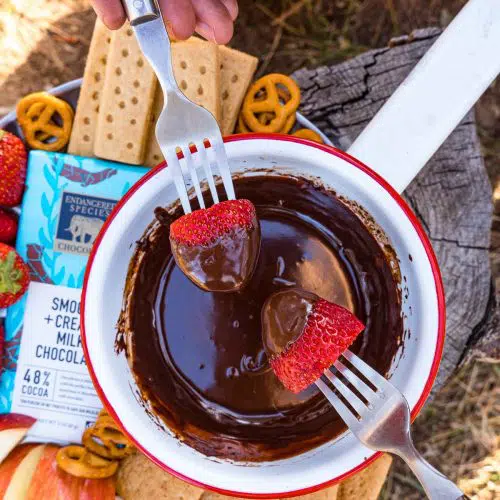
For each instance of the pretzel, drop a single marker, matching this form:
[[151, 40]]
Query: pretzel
[[38, 123], [106, 441], [79, 462], [103, 413], [255, 104], [265, 118], [306, 133], [33, 114], [105, 420], [242, 127]]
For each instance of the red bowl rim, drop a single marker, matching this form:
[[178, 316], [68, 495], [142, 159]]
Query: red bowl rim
[[437, 281]]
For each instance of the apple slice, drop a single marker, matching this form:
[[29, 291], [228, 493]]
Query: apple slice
[[104, 489], [9, 465], [51, 483], [13, 428], [46, 482], [21, 479]]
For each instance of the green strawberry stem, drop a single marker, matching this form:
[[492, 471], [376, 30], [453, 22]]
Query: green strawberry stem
[[10, 275]]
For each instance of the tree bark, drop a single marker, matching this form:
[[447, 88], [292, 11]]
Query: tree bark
[[451, 196]]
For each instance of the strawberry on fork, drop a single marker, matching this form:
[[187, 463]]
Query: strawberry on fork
[[304, 335], [217, 247]]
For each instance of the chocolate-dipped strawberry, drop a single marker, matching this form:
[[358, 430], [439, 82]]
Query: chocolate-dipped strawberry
[[304, 335], [217, 248]]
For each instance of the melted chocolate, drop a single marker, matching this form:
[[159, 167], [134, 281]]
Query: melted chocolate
[[223, 265], [198, 357], [284, 317]]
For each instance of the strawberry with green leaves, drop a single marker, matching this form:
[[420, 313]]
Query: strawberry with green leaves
[[14, 276], [13, 160]]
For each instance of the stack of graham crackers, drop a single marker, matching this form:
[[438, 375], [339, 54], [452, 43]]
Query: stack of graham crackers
[[140, 478], [120, 98]]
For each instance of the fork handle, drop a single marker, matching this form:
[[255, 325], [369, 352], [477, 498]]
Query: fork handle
[[436, 485], [147, 21], [140, 11]]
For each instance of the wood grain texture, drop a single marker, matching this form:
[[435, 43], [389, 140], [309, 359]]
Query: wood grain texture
[[451, 195]]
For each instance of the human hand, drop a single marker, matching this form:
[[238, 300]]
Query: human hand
[[212, 19]]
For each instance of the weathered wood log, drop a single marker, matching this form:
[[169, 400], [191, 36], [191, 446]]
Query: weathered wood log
[[451, 195]]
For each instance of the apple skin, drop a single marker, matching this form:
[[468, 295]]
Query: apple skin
[[10, 464], [13, 428], [51, 483], [21, 479], [15, 421]]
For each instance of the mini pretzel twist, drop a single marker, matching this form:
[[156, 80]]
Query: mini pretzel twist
[[33, 114], [79, 462], [106, 440], [265, 118], [242, 128], [306, 133], [37, 116], [263, 97]]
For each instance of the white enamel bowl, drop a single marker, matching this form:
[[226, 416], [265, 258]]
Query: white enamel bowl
[[412, 372]]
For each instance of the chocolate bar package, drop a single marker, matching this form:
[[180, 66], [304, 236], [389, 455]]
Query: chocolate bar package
[[66, 202]]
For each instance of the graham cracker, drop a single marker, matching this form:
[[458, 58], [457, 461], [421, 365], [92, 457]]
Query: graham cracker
[[152, 150], [139, 478], [237, 71], [368, 483], [129, 89], [195, 64], [87, 111], [327, 494], [196, 69]]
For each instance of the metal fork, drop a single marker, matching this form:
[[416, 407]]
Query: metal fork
[[380, 419], [182, 124]]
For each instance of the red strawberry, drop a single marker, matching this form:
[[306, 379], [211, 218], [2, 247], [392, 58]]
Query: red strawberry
[[14, 276], [304, 335], [8, 226], [13, 159], [217, 247], [202, 227], [2, 345]]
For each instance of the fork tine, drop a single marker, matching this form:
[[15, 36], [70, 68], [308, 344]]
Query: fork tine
[[350, 396], [175, 166], [225, 173], [355, 381], [194, 176], [344, 412], [374, 377], [202, 155]]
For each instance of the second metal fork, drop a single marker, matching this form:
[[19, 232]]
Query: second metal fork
[[182, 125], [379, 417]]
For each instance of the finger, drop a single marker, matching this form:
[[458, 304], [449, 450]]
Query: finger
[[179, 17], [111, 12], [214, 16], [205, 31], [232, 8]]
